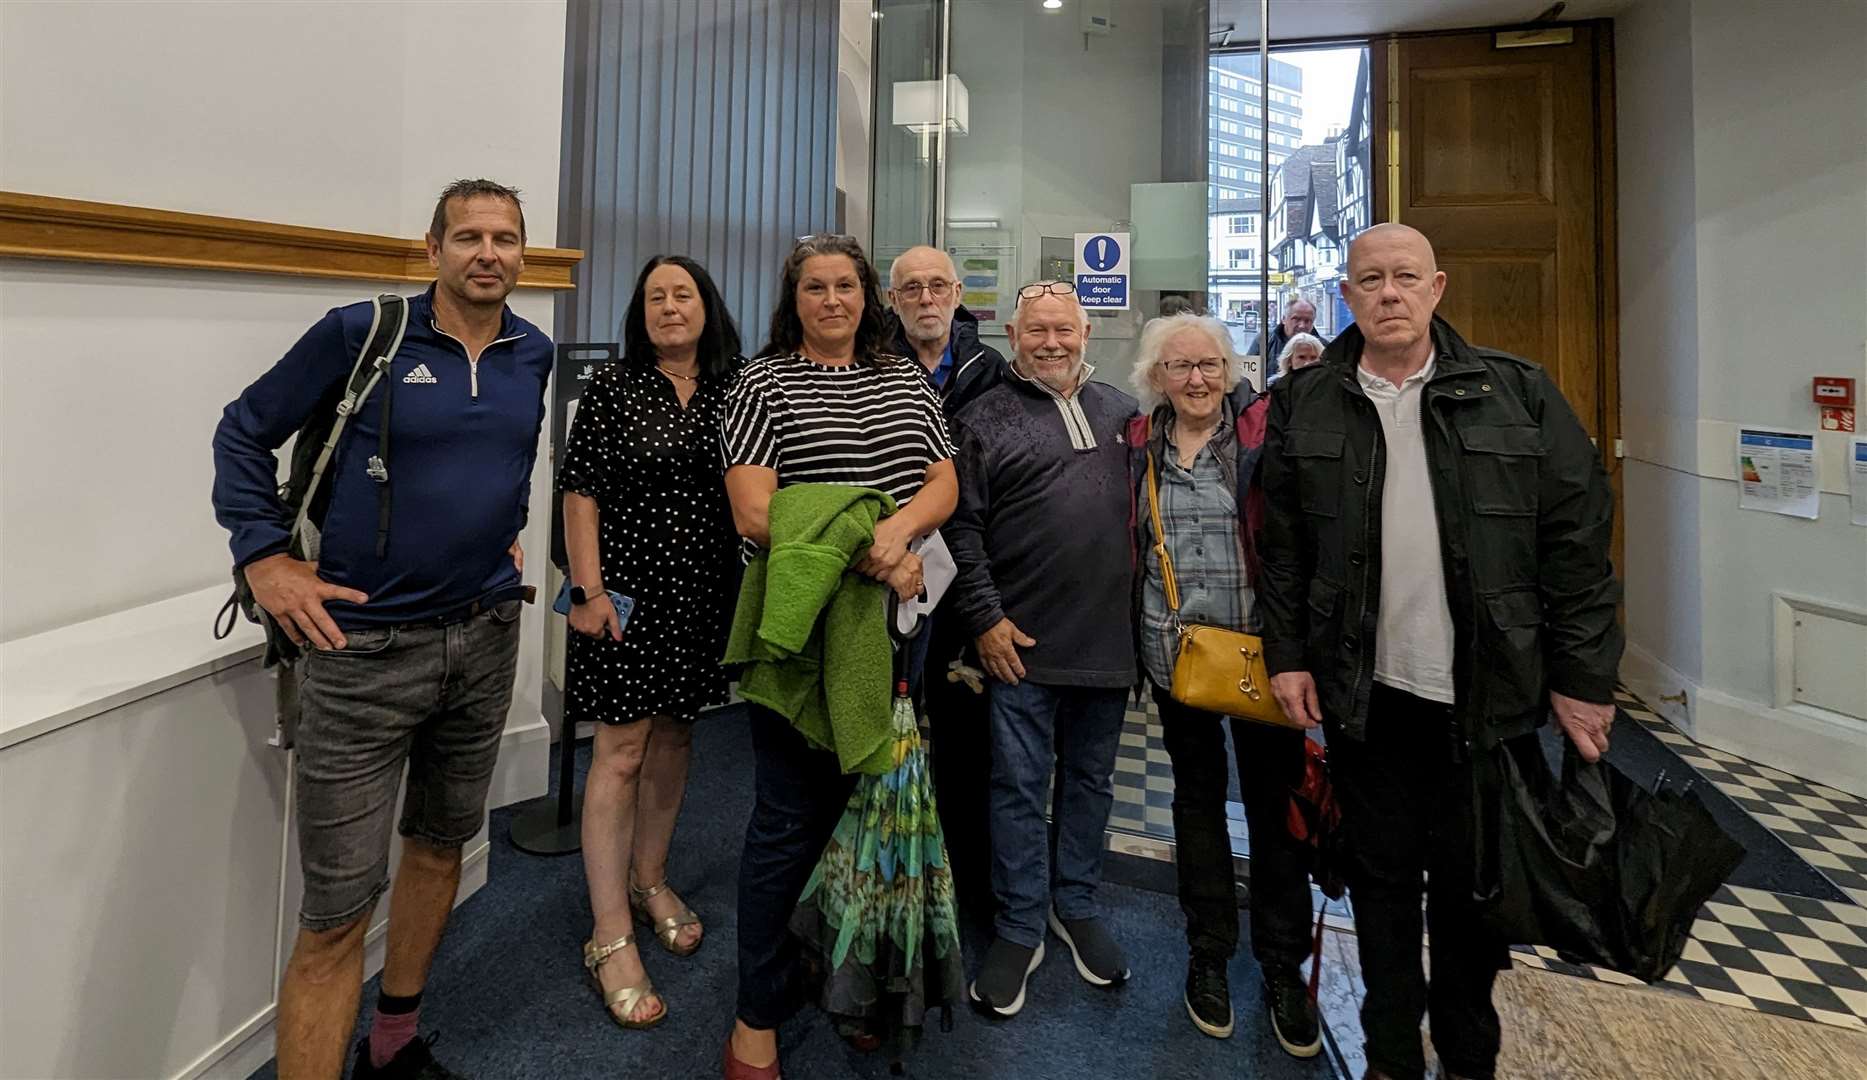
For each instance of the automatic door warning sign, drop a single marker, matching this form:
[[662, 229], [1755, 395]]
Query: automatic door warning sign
[[1102, 270]]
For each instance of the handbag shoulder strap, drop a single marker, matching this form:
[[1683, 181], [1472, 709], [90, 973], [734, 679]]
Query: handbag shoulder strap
[[1160, 538]]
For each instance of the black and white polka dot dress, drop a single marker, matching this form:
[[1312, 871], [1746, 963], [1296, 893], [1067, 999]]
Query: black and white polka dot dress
[[667, 540]]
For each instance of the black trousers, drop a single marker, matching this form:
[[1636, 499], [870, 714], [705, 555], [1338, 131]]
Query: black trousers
[[1270, 763], [800, 795], [1407, 808], [961, 746]]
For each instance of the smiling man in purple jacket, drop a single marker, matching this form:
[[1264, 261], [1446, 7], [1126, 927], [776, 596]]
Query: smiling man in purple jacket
[[410, 636]]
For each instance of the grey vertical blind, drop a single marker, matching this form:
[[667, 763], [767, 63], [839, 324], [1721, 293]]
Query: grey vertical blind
[[704, 128]]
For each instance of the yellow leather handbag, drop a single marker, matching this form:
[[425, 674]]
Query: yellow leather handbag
[[1215, 669]]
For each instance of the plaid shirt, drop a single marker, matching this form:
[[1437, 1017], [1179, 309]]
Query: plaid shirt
[[1199, 514]]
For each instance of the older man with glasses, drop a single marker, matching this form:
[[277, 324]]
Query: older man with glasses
[[932, 326], [935, 328], [1045, 578]]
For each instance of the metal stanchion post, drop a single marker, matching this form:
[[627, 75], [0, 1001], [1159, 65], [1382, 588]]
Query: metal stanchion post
[[551, 824]]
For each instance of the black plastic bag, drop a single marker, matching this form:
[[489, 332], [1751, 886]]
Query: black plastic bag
[[1595, 866]]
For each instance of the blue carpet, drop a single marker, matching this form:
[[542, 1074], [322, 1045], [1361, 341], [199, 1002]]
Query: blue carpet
[[509, 996]]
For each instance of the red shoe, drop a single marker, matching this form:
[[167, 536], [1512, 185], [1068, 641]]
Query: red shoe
[[731, 1068]]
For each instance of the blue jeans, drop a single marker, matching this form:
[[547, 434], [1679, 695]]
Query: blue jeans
[[800, 794], [1071, 733]]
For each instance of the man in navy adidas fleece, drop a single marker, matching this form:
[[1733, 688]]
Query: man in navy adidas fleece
[[409, 655]]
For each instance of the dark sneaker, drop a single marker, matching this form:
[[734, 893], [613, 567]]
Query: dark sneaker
[[1209, 995], [413, 1062], [1293, 1016], [1007, 967], [1098, 959]]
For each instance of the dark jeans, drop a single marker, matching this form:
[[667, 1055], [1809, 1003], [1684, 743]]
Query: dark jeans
[[800, 793], [1270, 763], [1069, 733], [1406, 806]]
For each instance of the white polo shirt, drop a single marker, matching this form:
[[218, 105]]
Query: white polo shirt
[[1413, 641]]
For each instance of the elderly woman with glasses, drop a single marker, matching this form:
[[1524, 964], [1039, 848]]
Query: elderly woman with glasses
[[1300, 351], [1202, 429]]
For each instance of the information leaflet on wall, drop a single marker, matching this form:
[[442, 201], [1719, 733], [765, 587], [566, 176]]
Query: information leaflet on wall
[[1102, 270], [1776, 471], [1857, 478], [981, 284]]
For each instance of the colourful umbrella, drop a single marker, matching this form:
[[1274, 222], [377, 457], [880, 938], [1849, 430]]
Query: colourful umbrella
[[877, 916]]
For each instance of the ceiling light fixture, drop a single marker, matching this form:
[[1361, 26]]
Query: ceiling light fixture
[[1053, 5]]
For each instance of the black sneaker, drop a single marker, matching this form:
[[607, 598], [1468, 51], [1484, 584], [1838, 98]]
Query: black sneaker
[[1293, 1015], [413, 1062], [1007, 967], [1098, 959], [1209, 995]]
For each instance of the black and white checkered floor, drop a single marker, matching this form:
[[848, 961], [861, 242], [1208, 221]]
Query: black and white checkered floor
[[1786, 955]]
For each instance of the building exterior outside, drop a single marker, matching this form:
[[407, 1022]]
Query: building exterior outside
[[1320, 201], [1353, 171], [1303, 247], [1236, 107]]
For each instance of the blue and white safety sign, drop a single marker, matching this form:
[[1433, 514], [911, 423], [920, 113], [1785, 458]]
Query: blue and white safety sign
[[1102, 270]]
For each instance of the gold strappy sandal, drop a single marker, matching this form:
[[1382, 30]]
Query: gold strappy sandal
[[627, 996], [668, 929]]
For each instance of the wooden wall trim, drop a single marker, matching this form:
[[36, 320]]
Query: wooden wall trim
[[45, 227]]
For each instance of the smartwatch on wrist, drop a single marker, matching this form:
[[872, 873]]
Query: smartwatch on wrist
[[578, 597]]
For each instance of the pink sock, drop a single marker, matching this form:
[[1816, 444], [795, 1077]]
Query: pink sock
[[391, 1031]]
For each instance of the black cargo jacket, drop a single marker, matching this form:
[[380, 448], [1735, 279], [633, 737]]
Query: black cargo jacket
[[1525, 519]]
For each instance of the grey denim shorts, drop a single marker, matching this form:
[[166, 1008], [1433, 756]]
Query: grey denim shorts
[[433, 698]]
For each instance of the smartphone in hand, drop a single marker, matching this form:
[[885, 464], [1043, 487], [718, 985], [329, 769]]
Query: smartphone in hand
[[624, 605]]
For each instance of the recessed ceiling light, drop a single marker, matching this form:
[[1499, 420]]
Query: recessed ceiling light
[[1052, 5]]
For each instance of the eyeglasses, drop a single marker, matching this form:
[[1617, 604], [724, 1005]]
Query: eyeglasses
[[939, 289], [1211, 367], [1046, 288]]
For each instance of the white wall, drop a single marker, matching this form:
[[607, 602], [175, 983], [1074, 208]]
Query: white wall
[[1659, 325], [337, 115], [1743, 248], [342, 115], [1060, 130], [125, 952], [141, 907]]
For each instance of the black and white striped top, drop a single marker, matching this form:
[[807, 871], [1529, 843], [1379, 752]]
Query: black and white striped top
[[864, 425]]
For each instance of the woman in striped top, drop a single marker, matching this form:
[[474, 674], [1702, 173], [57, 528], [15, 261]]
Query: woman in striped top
[[823, 404]]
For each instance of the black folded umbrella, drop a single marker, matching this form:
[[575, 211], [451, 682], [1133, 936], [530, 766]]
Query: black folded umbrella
[[1605, 871]]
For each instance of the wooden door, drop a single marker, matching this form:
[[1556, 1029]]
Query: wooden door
[[1505, 161]]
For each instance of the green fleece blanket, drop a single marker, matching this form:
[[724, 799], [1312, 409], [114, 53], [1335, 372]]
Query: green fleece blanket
[[813, 631]]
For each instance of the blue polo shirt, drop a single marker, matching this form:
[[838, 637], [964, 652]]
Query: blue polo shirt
[[944, 371]]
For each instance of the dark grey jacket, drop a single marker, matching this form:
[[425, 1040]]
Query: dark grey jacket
[[977, 367], [1525, 518], [1042, 534]]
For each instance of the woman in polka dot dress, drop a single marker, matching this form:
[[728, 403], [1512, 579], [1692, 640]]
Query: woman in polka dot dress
[[645, 515]]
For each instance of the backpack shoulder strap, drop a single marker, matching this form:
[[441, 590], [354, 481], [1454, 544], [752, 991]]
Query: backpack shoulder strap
[[388, 323], [394, 311]]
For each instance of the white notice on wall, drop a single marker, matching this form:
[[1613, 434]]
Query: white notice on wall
[[1857, 478], [1776, 471]]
